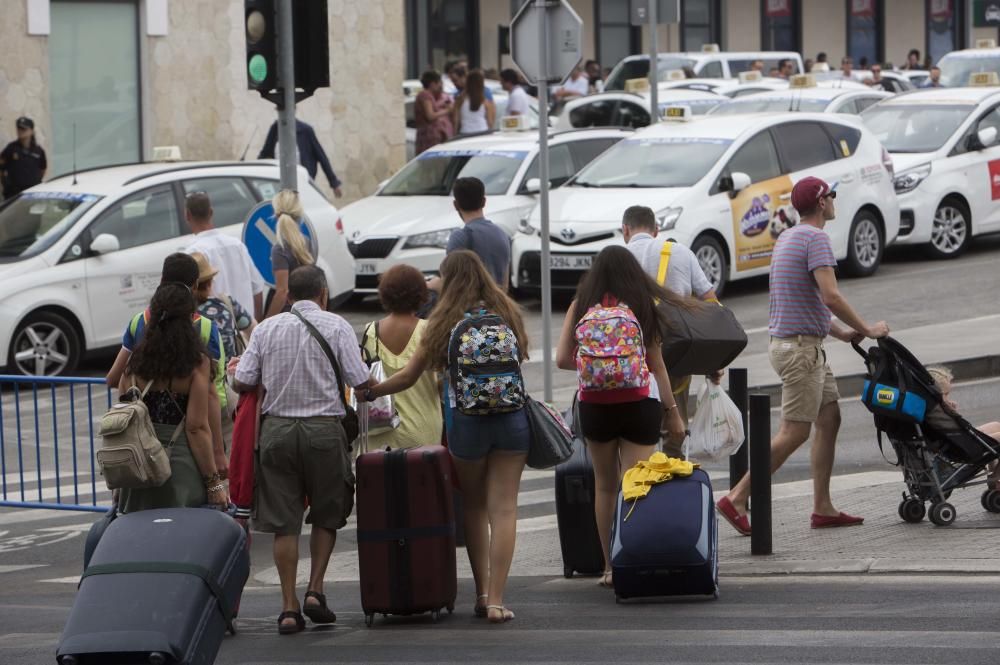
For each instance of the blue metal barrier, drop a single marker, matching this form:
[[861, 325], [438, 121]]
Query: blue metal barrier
[[43, 483]]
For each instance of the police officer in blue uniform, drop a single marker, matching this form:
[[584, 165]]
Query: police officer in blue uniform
[[22, 162]]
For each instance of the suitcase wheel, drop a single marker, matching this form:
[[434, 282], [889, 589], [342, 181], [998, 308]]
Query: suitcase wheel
[[450, 608], [568, 572], [435, 615], [369, 620], [157, 658], [68, 660]]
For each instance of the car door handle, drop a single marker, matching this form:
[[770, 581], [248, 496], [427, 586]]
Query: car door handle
[[847, 178], [787, 196]]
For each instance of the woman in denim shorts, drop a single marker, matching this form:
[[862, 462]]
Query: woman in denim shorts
[[489, 450]]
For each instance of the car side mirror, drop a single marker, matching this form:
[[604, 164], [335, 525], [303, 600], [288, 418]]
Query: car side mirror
[[533, 186], [105, 243], [740, 182], [986, 137]]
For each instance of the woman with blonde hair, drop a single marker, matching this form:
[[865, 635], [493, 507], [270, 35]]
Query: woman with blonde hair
[[490, 449], [292, 250]]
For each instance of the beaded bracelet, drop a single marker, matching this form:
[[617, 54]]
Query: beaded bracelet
[[214, 478]]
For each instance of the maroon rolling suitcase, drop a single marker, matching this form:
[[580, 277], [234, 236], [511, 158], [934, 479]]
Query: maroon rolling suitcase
[[406, 531]]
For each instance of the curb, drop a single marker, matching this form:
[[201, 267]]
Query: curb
[[850, 385], [763, 567]]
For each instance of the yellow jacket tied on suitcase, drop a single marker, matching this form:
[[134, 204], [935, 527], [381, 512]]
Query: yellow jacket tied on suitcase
[[659, 468]]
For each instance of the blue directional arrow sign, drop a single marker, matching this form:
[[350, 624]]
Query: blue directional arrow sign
[[260, 233]]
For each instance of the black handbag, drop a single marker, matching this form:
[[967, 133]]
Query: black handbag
[[703, 340], [350, 421], [551, 439]]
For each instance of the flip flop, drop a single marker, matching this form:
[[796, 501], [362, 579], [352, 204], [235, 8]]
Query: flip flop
[[607, 581], [297, 627], [505, 614], [832, 521], [318, 614], [728, 511], [480, 610]]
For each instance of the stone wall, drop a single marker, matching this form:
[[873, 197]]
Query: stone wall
[[24, 74]]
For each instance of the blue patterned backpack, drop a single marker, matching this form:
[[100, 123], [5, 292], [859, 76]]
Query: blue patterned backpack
[[484, 365]]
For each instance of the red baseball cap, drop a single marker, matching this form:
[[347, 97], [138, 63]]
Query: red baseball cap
[[808, 191]]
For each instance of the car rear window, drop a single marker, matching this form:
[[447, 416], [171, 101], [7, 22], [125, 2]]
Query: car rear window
[[851, 136]]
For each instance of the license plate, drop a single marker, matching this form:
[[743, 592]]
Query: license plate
[[570, 261], [362, 268]]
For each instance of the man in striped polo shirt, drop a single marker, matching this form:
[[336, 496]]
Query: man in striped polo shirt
[[803, 294]]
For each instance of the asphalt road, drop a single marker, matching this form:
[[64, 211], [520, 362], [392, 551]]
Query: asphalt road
[[884, 620]]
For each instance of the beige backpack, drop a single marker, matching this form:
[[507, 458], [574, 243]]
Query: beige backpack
[[131, 456]]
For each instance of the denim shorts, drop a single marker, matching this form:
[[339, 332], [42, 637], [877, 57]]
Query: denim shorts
[[474, 437]]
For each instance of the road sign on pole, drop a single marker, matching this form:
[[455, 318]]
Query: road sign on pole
[[545, 46]]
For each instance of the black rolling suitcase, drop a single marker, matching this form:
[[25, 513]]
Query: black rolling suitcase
[[161, 587], [578, 537]]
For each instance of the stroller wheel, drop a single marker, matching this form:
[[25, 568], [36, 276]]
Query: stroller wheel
[[912, 510], [942, 514], [991, 500]]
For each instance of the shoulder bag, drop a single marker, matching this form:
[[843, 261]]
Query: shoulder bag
[[551, 438]]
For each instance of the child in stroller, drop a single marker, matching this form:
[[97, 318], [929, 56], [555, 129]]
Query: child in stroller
[[943, 379], [936, 448]]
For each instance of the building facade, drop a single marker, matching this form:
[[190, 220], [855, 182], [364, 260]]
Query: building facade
[[106, 80], [877, 30]]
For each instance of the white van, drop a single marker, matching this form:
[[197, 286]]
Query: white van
[[705, 64]]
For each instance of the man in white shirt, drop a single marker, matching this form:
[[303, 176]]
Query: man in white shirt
[[684, 277], [238, 277], [577, 85], [517, 101]]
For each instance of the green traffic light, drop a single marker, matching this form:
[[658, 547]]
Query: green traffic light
[[258, 69]]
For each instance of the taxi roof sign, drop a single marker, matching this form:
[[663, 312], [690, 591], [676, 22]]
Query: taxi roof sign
[[986, 43], [751, 76], [677, 113], [984, 79], [513, 123], [637, 85], [166, 153], [709, 48], [676, 75], [802, 81]]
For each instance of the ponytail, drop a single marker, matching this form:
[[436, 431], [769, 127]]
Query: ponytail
[[289, 210]]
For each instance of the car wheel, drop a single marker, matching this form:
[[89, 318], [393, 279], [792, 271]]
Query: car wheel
[[713, 261], [865, 244], [951, 230], [44, 344]]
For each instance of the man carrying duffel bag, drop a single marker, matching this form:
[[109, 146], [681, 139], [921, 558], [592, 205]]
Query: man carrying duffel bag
[[676, 267]]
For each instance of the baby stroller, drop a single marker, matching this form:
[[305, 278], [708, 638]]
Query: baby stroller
[[938, 451]]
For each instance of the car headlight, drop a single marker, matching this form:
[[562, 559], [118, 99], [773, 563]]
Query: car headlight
[[667, 218], [524, 226], [438, 239], [908, 180]]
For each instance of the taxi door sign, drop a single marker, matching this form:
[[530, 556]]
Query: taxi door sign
[[755, 211], [994, 167]]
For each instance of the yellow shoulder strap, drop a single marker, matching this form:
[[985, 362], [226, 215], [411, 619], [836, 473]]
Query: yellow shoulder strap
[[661, 274]]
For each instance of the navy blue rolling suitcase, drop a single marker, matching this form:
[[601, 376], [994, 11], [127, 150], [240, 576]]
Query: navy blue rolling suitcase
[[668, 545], [162, 587]]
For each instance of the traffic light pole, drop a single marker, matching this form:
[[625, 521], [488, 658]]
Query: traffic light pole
[[288, 154], [543, 201]]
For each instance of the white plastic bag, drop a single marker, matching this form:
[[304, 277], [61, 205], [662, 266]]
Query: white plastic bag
[[717, 427], [382, 415]]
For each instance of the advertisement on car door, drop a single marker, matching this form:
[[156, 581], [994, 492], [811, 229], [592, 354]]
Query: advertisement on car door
[[759, 217]]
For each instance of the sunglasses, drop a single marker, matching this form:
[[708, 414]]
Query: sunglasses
[[831, 195]]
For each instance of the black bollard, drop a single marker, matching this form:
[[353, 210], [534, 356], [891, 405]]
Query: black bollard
[[739, 461], [760, 473]]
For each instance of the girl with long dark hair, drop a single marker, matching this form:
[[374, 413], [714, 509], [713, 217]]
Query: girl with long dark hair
[[171, 370], [473, 112], [621, 417]]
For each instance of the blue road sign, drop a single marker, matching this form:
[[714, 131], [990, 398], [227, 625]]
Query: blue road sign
[[260, 233]]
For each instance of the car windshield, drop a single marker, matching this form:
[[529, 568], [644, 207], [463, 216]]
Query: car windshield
[[434, 172], [957, 68], [639, 69], [915, 127], [653, 162], [754, 104], [34, 221]]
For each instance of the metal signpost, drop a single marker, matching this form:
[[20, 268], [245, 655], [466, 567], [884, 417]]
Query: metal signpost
[[287, 145], [545, 46], [652, 13]]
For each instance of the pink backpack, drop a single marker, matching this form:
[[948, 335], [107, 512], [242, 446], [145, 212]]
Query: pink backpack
[[611, 355]]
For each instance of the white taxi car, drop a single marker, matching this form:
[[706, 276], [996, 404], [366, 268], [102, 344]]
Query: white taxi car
[[409, 219], [808, 100], [958, 67], [944, 145], [722, 186], [81, 254], [628, 109], [708, 63]]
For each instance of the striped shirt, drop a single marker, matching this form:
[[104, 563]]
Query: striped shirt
[[296, 374], [797, 306]]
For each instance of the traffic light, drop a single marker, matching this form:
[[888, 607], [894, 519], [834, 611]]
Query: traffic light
[[312, 46], [262, 45]]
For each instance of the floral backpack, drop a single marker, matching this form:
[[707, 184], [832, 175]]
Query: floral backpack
[[484, 364], [611, 355]]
